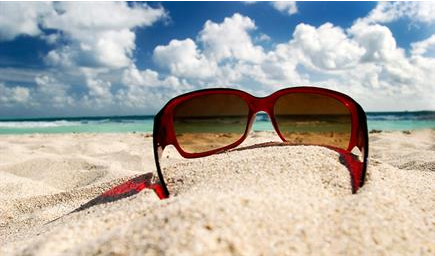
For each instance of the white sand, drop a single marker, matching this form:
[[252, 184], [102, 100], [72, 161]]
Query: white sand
[[273, 200]]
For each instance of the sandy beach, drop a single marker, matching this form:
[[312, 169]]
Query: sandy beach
[[291, 200]]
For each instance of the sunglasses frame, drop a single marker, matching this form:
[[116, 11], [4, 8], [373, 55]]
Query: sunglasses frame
[[164, 132]]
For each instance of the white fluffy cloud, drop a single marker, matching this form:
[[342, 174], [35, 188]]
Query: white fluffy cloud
[[94, 34], [326, 47], [146, 89], [93, 47], [391, 11], [100, 33], [225, 55], [288, 7], [230, 39], [90, 41], [359, 60], [147, 78], [21, 18], [423, 47], [183, 59], [377, 40]]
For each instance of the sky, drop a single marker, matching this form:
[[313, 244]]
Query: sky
[[119, 58]]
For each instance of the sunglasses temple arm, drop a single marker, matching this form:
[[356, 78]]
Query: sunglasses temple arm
[[157, 158], [358, 166], [355, 165], [363, 142], [158, 152]]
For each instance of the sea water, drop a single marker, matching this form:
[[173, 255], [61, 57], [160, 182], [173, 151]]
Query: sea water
[[375, 120]]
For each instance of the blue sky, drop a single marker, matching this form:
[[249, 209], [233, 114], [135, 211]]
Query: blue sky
[[107, 58]]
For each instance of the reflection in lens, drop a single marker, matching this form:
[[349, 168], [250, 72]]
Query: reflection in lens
[[313, 119], [210, 122]]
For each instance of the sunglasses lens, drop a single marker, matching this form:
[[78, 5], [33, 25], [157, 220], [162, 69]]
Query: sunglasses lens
[[209, 122], [313, 119]]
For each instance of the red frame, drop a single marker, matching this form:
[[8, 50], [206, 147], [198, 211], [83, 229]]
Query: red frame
[[164, 133]]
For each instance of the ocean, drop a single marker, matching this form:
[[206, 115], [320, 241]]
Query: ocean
[[119, 124]]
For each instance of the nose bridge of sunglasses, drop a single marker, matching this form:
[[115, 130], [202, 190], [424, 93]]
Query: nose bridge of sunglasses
[[261, 121], [262, 114], [261, 104]]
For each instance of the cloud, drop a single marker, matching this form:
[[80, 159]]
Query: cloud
[[49, 91], [133, 77], [377, 41], [288, 7], [230, 39], [21, 18], [225, 55], [89, 41], [92, 67], [10, 96], [93, 34], [386, 12], [145, 88], [263, 38], [326, 47], [98, 34], [424, 46], [183, 58], [358, 60]]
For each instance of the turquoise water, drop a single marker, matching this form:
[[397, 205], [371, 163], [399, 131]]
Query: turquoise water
[[379, 121], [78, 125]]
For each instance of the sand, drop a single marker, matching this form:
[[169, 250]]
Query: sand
[[268, 200]]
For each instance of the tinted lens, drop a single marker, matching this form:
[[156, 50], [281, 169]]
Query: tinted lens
[[313, 119], [210, 122]]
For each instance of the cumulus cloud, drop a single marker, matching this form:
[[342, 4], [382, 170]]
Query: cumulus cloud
[[145, 88], [184, 59], [21, 18], [326, 47], [133, 77], [98, 34], [356, 60], [94, 34], [225, 55], [390, 11], [90, 42], [288, 7], [377, 40], [424, 46], [230, 39], [93, 46]]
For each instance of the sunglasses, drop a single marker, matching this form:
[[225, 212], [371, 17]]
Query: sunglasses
[[210, 121]]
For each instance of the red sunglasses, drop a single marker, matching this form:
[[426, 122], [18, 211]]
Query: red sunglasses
[[211, 121]]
